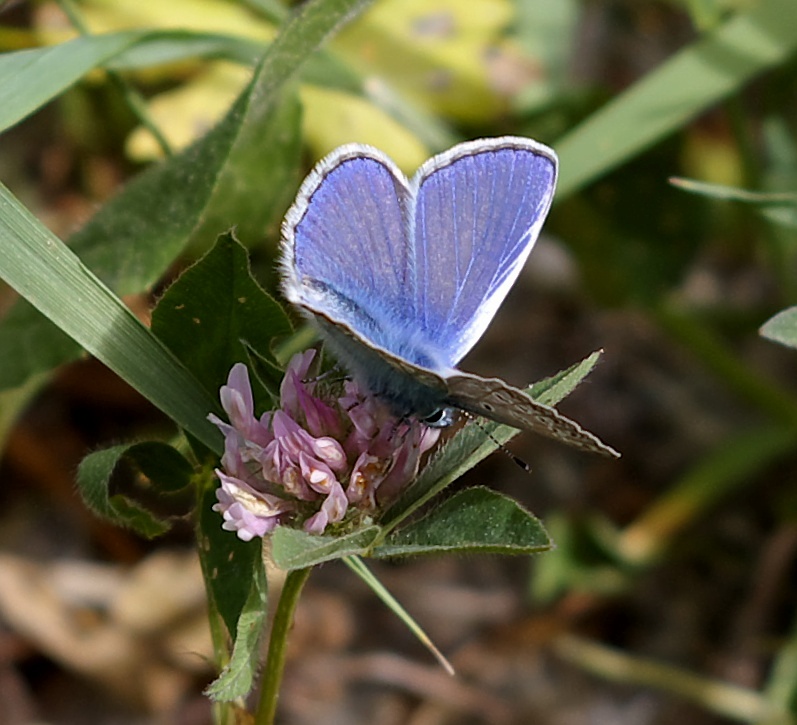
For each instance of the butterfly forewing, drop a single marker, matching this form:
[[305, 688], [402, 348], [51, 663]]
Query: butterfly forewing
[[345, 243], [478, 210]]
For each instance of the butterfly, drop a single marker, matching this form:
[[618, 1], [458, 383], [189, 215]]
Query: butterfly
[[403, 276]]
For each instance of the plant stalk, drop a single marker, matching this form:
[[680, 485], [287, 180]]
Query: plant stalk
[[278, 646]]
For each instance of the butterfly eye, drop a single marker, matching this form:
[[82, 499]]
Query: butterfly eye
[[440, 418]]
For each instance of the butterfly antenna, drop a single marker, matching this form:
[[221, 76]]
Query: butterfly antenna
[[517, 460], [333, 375]]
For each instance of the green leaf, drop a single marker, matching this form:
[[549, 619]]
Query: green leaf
[[242, 172], [30, 78], [274, 11], [166, 469], [782, 327], [579, 562], [213, 307], [228, 564], [733, 193], [46, 272], [254, 186], [130, 242], [778, 207], [556, 388], [474, 521], [473, 443], [329, 69], [357, 565], [266, 374], [716, 66], [293, 549], [238, 676], [178, 45]]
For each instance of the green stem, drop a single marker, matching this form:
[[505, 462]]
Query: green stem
[[133, 98], [725, 699], [277, 646], [218, 634], [138, 105]]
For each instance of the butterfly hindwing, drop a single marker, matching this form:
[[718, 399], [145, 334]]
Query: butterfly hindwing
[[489, 397], [494, 399]]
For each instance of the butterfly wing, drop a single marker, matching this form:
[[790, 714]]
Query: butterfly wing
[[494, 399], [477, 211], [345, 249]]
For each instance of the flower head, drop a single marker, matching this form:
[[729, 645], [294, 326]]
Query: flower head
[[313, 460]]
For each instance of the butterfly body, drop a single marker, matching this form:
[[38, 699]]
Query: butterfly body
[[403, 276], [410, 390]]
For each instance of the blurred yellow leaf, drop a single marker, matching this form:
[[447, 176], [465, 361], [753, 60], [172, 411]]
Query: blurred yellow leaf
[[332, 118], [439, 54], [444, 55], [712, 157], [16, 38], [185, 113], [220, 16], [108, 16]]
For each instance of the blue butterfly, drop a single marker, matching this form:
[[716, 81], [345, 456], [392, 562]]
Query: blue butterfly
[[404, 276]]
